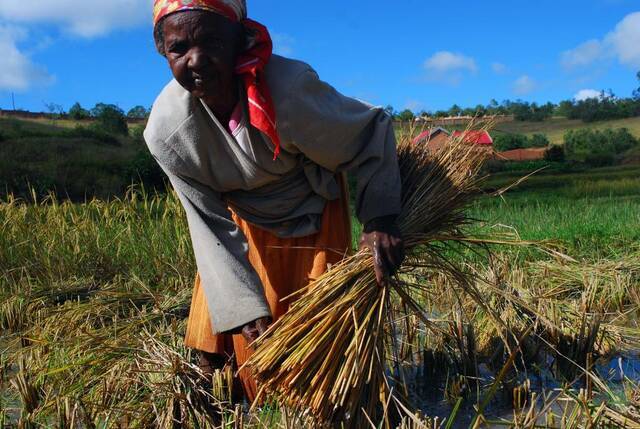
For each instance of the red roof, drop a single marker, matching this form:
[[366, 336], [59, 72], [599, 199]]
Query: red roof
[[429, 134], [475, 136]]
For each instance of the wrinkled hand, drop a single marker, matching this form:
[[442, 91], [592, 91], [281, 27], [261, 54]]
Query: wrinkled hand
[[382, 237], [252, 330]]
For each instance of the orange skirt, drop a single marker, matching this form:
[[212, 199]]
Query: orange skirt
[[284, 265]]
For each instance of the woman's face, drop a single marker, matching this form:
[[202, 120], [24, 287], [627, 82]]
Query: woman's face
[[201, 48]]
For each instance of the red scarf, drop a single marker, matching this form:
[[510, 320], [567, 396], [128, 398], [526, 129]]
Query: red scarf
[[250, 67]]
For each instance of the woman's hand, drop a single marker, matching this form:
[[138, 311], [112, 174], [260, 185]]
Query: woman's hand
[[252, 330], [382, 236]]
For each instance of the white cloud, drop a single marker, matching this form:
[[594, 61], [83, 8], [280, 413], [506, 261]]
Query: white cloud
[[18, 71], [445, 61], [583, 55], [499, 68], [625, 40], [622, 43], [585, 94], [86, 18], [524, 85], [283, 44], [449, 67]]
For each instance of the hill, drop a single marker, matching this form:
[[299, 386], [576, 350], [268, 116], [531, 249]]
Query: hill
[[77, 162], [64, 122], [555, 127]]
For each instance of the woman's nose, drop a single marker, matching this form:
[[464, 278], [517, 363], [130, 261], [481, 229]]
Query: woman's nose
[[198, 59]]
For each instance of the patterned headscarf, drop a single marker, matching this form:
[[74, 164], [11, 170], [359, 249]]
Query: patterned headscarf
[[251, 62], [235, 10]]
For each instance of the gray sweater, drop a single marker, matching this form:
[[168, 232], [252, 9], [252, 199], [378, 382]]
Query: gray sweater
[[322, 133]]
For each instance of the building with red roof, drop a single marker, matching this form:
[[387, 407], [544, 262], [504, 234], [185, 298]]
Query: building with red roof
[[481, 137], [434, 138]]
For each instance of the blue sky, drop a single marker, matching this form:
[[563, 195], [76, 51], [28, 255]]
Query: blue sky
[[408, 53]]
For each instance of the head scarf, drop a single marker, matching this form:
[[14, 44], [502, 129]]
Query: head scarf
[[251, 63]]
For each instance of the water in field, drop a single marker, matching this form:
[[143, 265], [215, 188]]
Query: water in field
[[9, 405], [618, 373]]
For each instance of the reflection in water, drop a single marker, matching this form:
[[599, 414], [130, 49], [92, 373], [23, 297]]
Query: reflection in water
[[431, 391]]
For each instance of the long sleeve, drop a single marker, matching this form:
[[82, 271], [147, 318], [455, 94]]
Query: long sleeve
[[233, 290], [343, 134]]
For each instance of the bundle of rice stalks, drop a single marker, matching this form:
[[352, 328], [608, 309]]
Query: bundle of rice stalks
[[328, 355]]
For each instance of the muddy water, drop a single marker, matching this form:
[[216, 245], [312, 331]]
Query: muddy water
[[9, 404], [430, 400]]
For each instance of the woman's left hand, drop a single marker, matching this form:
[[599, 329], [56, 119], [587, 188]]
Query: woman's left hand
[[382, 237]]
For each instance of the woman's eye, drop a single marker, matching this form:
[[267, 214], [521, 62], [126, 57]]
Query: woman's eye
[[178, 48]]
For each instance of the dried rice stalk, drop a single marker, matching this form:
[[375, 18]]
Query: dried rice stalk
[[328, 354]]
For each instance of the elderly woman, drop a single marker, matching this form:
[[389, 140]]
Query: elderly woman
[[255, 146]]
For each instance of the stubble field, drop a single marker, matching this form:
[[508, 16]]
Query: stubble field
[[94, 298]]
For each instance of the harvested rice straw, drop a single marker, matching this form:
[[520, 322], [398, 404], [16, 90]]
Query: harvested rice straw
[[327, 354]]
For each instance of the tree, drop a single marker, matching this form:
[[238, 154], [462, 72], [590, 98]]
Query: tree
[[99, 108], [565, 108], [55, 110], [138, 112], [406, 116], [504, 142], [479, 110], [597, 147], [636, 92], [78, 113], [455, 110], [555, 154], [110, 118], [538, 140]]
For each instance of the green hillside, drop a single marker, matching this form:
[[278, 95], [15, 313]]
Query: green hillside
[[81, 161], [75, 162], [555, 128]]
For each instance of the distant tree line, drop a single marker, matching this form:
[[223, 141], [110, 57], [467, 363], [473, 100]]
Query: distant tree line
[[603, 107], [78, 113], [109, 117]]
